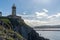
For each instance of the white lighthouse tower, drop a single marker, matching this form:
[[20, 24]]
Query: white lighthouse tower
[[13, 10]]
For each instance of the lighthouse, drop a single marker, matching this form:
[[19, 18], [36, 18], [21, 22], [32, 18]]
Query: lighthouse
[[13, 10]]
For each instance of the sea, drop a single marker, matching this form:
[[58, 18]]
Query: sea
[[52, 35]]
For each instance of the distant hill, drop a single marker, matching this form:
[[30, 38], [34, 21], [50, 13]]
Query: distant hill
[[14, 28], [48, 26]]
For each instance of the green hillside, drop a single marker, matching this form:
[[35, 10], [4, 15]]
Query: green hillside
[[8, 34], [16, 29]]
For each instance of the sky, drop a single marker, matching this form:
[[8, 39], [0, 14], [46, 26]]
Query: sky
[[34, 12]]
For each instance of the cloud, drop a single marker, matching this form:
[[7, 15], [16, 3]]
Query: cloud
[[55, 16], [45, 10], [42, 14], [41, 18], [26, 15], [58, 15], [34, 22]]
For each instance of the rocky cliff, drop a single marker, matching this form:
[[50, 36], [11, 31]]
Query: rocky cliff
[[14, 28]]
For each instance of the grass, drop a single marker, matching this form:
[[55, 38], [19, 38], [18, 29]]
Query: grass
[[7, 33], [7, 22]]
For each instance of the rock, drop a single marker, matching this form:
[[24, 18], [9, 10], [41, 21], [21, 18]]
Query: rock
[[16, 29]]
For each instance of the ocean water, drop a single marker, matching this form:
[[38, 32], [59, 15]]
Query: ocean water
[[52, 35]]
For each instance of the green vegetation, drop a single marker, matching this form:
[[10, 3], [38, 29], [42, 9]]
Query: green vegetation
[[10, 38], [10, 29], [7, 22], [8, 34]]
